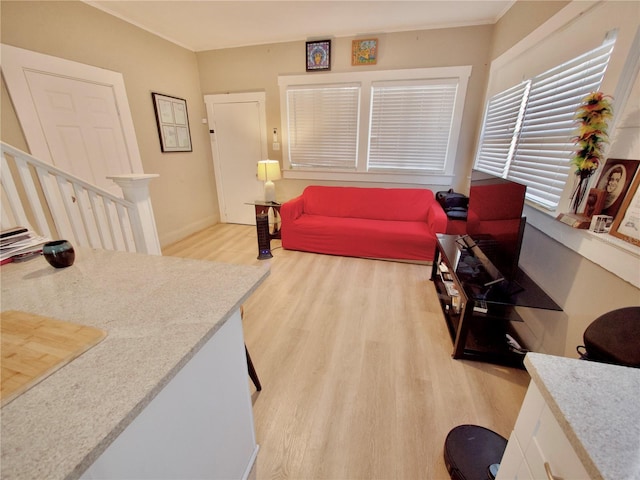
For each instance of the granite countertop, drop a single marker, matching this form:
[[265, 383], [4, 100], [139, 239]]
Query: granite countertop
[[598, 407], [158, 312]]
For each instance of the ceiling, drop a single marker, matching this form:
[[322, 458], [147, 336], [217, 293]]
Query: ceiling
[[211, 24]]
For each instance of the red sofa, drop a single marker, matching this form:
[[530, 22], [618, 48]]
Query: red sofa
[[389, 223]]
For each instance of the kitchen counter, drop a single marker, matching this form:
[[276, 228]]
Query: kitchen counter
[[598, 407], [158, 312]]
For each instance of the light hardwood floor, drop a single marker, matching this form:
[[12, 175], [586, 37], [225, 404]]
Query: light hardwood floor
[[355, 362]]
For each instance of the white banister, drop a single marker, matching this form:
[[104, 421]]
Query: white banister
[[61, 205], [135, 188]]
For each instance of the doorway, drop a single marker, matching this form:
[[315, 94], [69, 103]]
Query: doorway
[[237, 126]]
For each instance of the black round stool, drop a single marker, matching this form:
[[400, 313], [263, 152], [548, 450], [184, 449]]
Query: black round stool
[[470, 451], [614, 338]]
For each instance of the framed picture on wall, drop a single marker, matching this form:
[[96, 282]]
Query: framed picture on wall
[[626, 225], [364, 52], [173, 123], [319, 55]]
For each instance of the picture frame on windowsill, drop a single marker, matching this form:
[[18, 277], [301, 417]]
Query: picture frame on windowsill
[[615, 180], [626, 224]]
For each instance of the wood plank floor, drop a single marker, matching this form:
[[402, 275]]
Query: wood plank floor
[[355, 362]]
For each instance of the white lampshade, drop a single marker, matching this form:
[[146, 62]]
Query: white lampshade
[[269, 170]]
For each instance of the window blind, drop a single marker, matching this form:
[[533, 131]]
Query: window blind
[[411, 125], [541, 147], [323, 126], [544, 148], [501, 126]]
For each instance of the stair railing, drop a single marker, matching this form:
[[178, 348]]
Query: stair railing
[[57, 204]]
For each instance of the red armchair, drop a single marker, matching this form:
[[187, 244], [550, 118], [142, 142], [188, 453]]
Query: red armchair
[[495, 220]]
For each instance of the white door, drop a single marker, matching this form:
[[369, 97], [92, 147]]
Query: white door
[[74, 116], [237, 123]]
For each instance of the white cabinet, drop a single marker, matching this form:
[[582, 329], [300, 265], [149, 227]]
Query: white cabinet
[[199, 426], [538, 447]]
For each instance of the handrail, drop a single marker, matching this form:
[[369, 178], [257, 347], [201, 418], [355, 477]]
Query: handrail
[[61, 205]]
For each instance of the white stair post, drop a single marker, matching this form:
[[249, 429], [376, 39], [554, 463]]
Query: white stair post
[[135, 189]]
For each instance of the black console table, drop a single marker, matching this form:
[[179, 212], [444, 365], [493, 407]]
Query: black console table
[[266, 230], [479, 304]]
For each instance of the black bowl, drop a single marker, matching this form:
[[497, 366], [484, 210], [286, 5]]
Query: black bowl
[[59, 253]]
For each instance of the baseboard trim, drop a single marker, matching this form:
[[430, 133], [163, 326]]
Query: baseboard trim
[[169, 238]]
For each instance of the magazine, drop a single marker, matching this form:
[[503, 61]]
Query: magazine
[[19, 243]]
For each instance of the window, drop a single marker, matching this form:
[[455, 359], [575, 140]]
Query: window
[[411, 125], [377, 125], [500, 130], [527, 130], [323, 126]]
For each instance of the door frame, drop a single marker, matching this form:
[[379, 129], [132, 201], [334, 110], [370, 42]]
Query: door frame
[[246, 97], [16, 60]]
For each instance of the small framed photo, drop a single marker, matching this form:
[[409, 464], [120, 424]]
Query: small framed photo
[[364, 52], [601, 223], [615, 180], [173, 123], [319, 55]]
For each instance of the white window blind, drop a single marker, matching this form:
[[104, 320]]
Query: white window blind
[[396, 126], [501, 126], [411, 125], [543, 146], [323, 126]]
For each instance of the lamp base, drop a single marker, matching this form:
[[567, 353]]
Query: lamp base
[[269, 191]]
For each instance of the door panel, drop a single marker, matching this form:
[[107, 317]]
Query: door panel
[[238, 142], [81, 125], [73, 115]]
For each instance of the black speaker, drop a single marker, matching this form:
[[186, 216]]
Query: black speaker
[[264, 236]]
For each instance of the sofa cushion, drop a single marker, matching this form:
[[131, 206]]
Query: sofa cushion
[[361, 237], [368, 203]]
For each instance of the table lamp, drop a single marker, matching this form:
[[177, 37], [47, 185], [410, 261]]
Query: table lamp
[[268, 171]]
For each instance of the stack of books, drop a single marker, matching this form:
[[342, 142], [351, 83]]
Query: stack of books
[[20, 243]]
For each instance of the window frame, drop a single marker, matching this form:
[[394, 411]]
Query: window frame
[[366, 80]]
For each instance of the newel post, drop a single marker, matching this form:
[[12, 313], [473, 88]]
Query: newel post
[[135, 189]]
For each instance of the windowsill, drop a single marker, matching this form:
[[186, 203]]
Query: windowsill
[[369, 177], [611, 253]]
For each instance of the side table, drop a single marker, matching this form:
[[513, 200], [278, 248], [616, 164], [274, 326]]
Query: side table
[[265, 230]]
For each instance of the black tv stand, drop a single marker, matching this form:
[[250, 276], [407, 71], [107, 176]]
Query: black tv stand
[[479, 304]]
